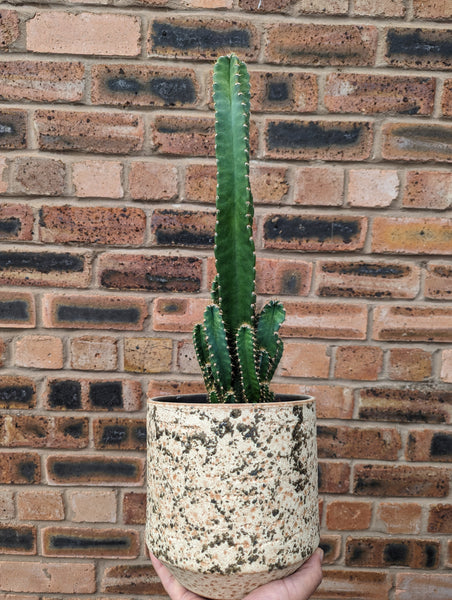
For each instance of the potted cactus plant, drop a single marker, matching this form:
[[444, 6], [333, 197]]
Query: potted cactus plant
[[232, 474]]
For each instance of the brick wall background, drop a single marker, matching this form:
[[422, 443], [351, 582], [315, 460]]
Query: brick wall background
[[106, 219]]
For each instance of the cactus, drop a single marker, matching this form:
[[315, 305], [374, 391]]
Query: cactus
[[237, 347]]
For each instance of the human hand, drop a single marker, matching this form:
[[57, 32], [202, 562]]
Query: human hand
[[298, 586]]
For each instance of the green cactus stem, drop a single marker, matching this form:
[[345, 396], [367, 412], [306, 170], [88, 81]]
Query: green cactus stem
[[238, 349]]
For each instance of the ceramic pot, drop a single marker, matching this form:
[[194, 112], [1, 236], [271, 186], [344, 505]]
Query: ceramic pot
[[232, 497]]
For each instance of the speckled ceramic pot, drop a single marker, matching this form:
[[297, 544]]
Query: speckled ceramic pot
[[232, 491]]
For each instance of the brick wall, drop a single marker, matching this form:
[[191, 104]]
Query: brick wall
[[107, 182]]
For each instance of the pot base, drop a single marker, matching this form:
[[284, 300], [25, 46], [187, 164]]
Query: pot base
[[228, 587]]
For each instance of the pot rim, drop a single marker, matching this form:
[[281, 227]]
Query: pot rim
[[287, 399]]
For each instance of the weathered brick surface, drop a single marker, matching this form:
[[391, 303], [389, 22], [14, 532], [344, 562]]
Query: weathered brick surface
[[108, 185]]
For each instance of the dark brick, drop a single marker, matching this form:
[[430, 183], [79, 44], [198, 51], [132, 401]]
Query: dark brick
[[43, 262], [134, 508], [13, 129], [413, 142], [355, 442], [405, 406], [14, 310], [106, 394], [127, 434], [202, 38], [440, 519], [441, 445], [65, 394], [17, 392], [16, 222], [21, 468], [9, 227], [419, 48], [328, 140], [17, 539], [132, 579], [88, 470], [183, 228], [106, 543], [291, 232], [154, 273], [144, 85], [381, 552], [400, 480]]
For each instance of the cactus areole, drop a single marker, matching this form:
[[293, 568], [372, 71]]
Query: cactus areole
[[238, 348]]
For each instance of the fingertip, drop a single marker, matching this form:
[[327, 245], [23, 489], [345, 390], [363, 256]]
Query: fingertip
[[320, 554]]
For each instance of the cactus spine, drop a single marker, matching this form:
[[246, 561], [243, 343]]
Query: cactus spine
[[238, 348]]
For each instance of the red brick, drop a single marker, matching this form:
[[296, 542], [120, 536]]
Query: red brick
[[321, 45], [169, 388], [295, 139], [405, 405], [305, 360], [20, 468], [35, 268], [343, 516], [438, 281], [84, 33], [385, 552], [379, 8], [94, 353], [428, 189], [202, 38], [16, 222], [411, 235], [317, 233], [429, 446], [92, 506], [144, 85], [147, 355], [17, 392], [153, 181], [363, 93], [283, 92], [9, 28], [178, 314], [334, 477], [39, 176], [134, 508], [319, 186], [400, 517], [417, 142], [400, 480], [42, 81], [418, 48], [269, 185], [17, 309], [319, 320], [418, 586], [39, 352], [200, 183], [92, 224], [440, 519], [324, 7], [67, 469], [266, 6], [432, 10], [183, 136], [83, 542], [4, 175], [409, 364], [97, 132], [3, 352], [94, 312], [372, 188], [55, 577], [446, 103], [13, 124], [359, 585], [416, 323], [183, 228], [367, 279], [356, 442], [283, 277], [131, 579], [40, 505], [119, 434], [332, 402], [97, 179], [358, 362], [446, 366]]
